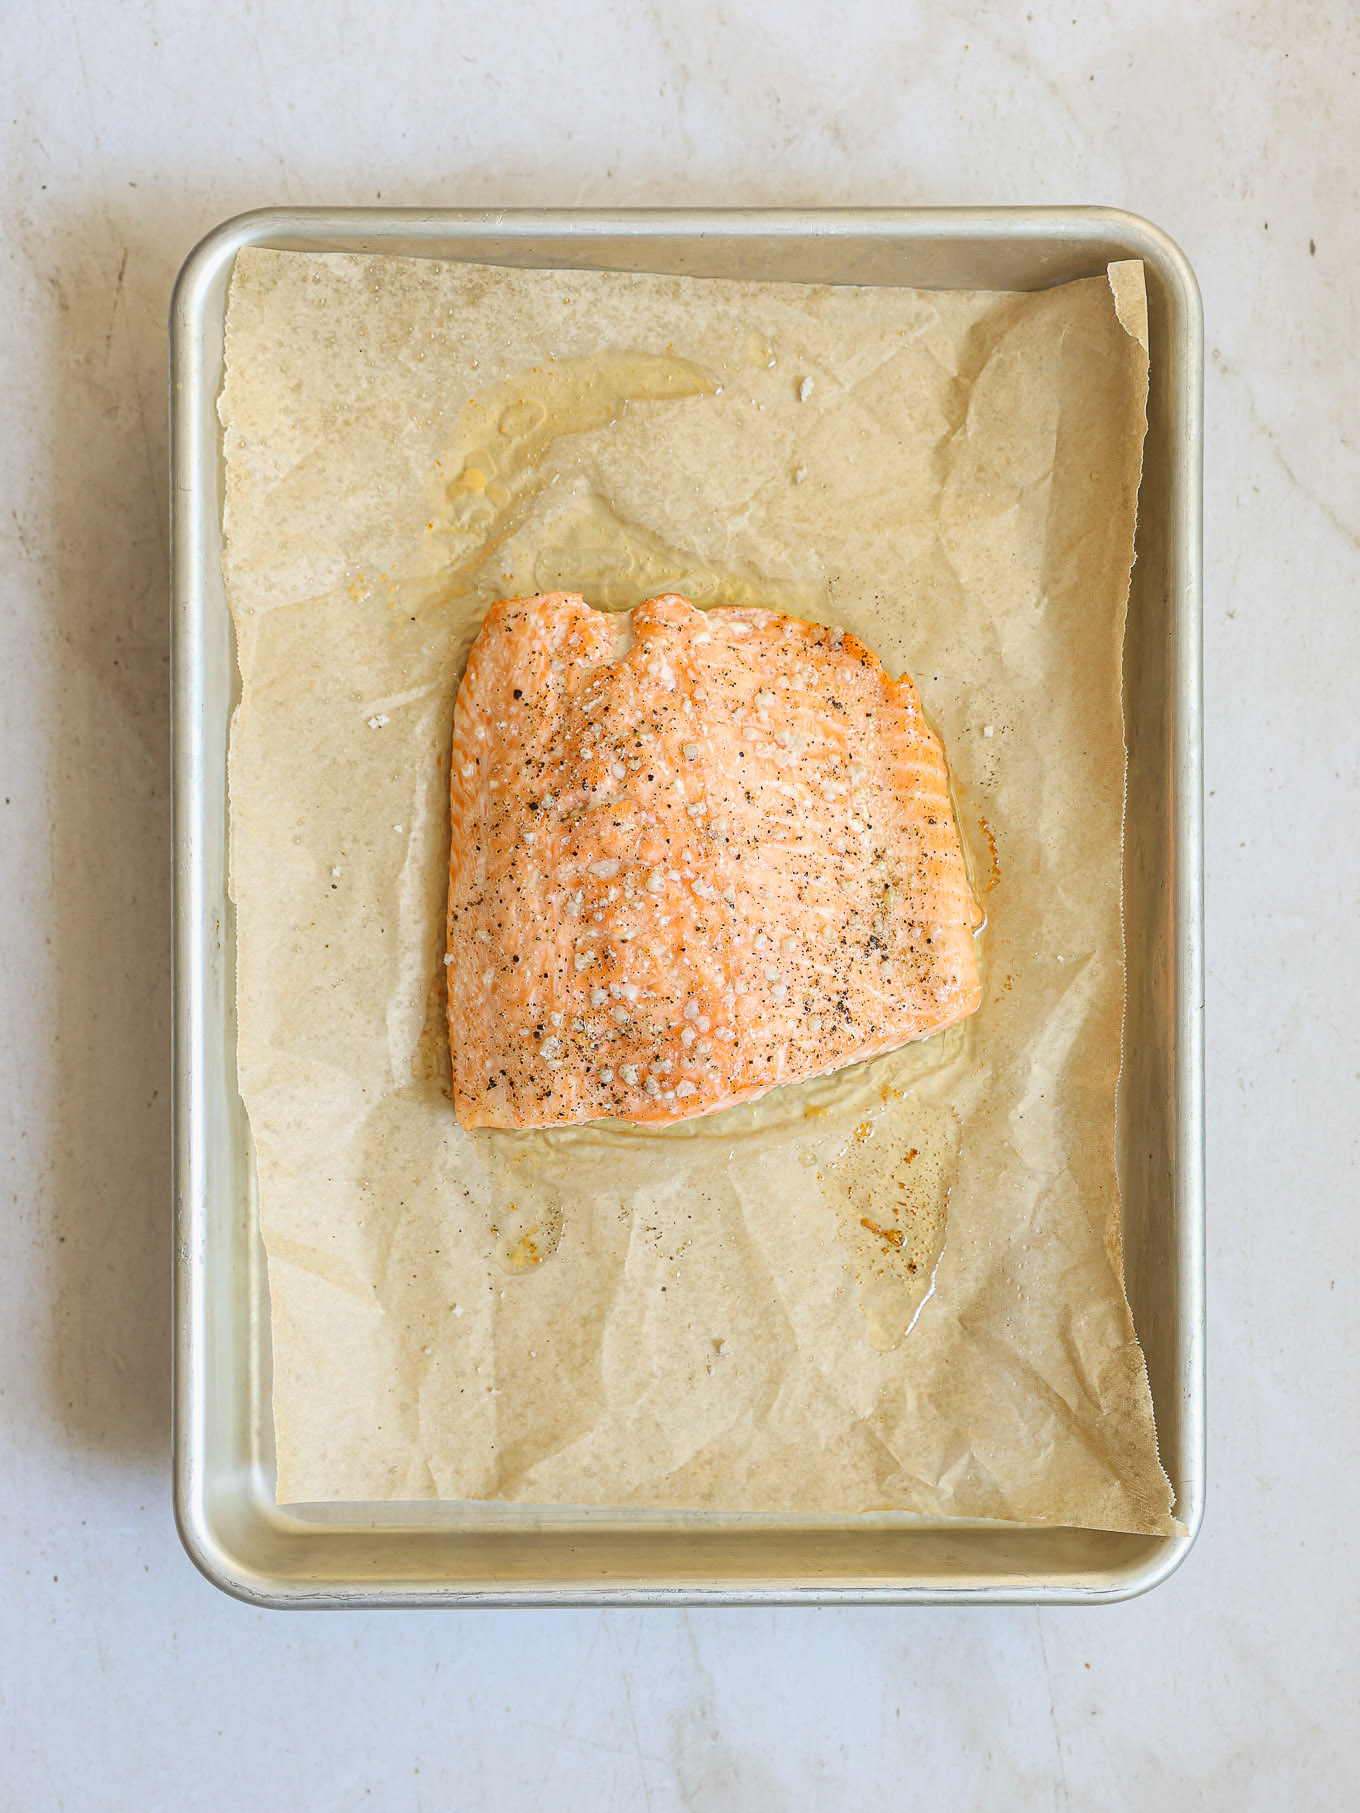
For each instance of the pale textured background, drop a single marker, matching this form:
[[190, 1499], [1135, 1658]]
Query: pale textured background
[[128, 130]]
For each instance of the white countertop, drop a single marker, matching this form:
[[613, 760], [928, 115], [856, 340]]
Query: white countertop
[[128, 131]]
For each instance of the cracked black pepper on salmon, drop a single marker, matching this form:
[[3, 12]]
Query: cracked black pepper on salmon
[[720, 860]]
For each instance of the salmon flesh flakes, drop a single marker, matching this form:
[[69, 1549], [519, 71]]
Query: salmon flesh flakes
[[723, 860]]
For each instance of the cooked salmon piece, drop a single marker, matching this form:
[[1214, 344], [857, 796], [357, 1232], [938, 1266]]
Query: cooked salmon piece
[[720, 859]]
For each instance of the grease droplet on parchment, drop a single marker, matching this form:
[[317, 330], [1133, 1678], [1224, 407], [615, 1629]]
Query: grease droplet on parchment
[[889, 1185], [506, 518], [526, 1236], [526, 1221]]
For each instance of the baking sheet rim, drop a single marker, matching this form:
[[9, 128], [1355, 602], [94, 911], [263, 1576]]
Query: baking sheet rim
[[198, 920]]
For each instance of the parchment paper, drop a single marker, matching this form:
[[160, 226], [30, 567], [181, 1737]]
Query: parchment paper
[[693, 1317]]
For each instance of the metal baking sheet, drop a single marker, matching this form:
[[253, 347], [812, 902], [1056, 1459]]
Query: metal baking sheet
[[494, 1554]]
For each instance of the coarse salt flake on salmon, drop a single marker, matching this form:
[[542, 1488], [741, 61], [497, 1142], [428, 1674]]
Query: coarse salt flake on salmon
[[721, 859]]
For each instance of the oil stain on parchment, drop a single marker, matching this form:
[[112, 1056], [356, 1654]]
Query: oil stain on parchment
[[495, 464], [526, 1221], [505, 518], [889, 1184]]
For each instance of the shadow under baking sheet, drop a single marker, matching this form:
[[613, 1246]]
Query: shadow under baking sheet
[[106, 545]]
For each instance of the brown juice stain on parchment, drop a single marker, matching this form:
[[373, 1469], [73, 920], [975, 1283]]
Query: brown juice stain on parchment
[[889, 1183], [981, 857], [526, 1223], [995, 874], [525, 1236]]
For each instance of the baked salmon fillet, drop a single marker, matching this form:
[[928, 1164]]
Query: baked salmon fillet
[[720, 859]]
